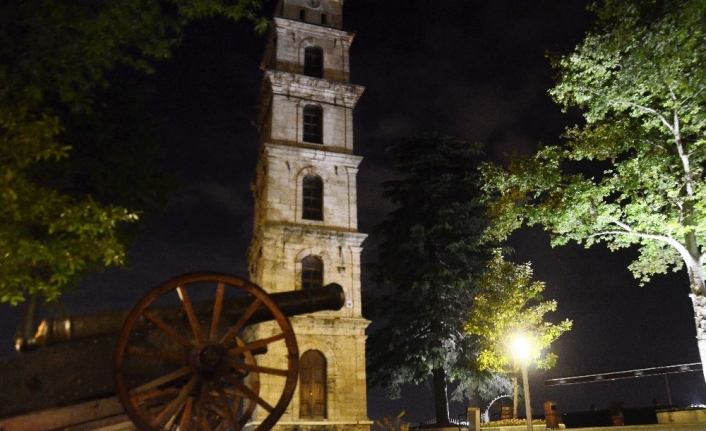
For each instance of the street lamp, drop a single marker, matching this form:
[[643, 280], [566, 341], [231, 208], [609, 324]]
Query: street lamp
[[522, 347]]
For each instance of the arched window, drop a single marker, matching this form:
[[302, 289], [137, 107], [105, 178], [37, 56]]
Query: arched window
[[312, 273], [312, 124], [312, 198], [314, 62], [312, 385]]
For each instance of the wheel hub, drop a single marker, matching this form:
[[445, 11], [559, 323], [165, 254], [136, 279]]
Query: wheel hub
[[210, 361]]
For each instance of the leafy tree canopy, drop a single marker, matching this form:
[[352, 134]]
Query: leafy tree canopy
[[640, 82], [508, 302], [430, 255], [61, 215]]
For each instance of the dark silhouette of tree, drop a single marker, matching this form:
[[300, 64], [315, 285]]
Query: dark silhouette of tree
[[430, 256]]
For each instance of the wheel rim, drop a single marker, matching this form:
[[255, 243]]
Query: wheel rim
[[183, 360]]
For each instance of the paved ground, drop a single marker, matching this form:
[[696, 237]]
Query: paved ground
[[659, 427]]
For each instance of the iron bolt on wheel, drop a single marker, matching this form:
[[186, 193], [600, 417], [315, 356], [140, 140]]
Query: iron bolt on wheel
[[185, 358]]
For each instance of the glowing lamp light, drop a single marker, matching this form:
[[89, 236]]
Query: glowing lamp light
[[521, 347]]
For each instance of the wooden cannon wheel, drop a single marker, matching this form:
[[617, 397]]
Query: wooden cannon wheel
[[184, 360]]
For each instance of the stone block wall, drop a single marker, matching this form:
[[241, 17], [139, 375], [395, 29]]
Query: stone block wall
[[280, 116], [342, 342], [280, 191], [281, 250], [293, 37]]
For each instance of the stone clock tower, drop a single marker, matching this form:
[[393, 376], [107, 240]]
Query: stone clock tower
[[306, 226]]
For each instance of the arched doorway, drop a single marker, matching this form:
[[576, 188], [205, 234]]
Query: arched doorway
[[312, 385]]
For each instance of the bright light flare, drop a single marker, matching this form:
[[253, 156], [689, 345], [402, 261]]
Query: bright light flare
[[521, 347]]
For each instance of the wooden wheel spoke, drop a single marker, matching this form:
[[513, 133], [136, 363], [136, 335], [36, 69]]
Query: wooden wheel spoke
[[167, 329], [233, 332], [166, 355], [171, 411], [248, 393], [185, 423], [169, 372], [259, 369], [223, 398], [202, 410], [237, 405], [203, 424], [150, 395], [217, 306], [248, 347], [189, 309], [224, 425], [236, 396], [237, 399], [221, 426], [160, 381]]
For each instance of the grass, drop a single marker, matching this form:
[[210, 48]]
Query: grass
[[510, 422]]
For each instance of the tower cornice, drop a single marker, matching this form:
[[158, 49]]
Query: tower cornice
[[313, 29], [304, 87], [275, 229], [316, 89], [318, 155]]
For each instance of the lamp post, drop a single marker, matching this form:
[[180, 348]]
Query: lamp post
[[522, 347]]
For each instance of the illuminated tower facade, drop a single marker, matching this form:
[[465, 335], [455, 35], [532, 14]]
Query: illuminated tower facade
[[306, 226]]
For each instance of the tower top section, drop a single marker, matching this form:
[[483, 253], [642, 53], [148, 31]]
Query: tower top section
[[327, 13]]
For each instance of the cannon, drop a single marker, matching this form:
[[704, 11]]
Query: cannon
[[186, 355]]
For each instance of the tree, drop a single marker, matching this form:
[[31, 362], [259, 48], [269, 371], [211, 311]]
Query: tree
[[430, 254], [509, 302], [632, 175], [57, 61]]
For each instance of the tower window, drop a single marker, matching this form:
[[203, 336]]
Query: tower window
[[314, 62], [312, 385], [323, 19], [312, 273], [312, 124], [313, 198], [302, 14]]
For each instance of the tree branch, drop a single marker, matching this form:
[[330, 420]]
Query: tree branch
[[624, 225], [666, 239], [677, 134], [636, 105], [649, 110]]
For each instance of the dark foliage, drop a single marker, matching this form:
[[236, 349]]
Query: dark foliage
[[430, 254]]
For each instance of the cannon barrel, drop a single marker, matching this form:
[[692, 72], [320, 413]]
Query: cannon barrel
[[57, 330]]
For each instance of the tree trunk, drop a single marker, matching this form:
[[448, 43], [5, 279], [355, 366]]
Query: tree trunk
[[697, 280], [699, 303], [28, 325], [514, 395], [441, 399]]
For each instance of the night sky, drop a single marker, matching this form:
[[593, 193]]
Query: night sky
[[472, 69]]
